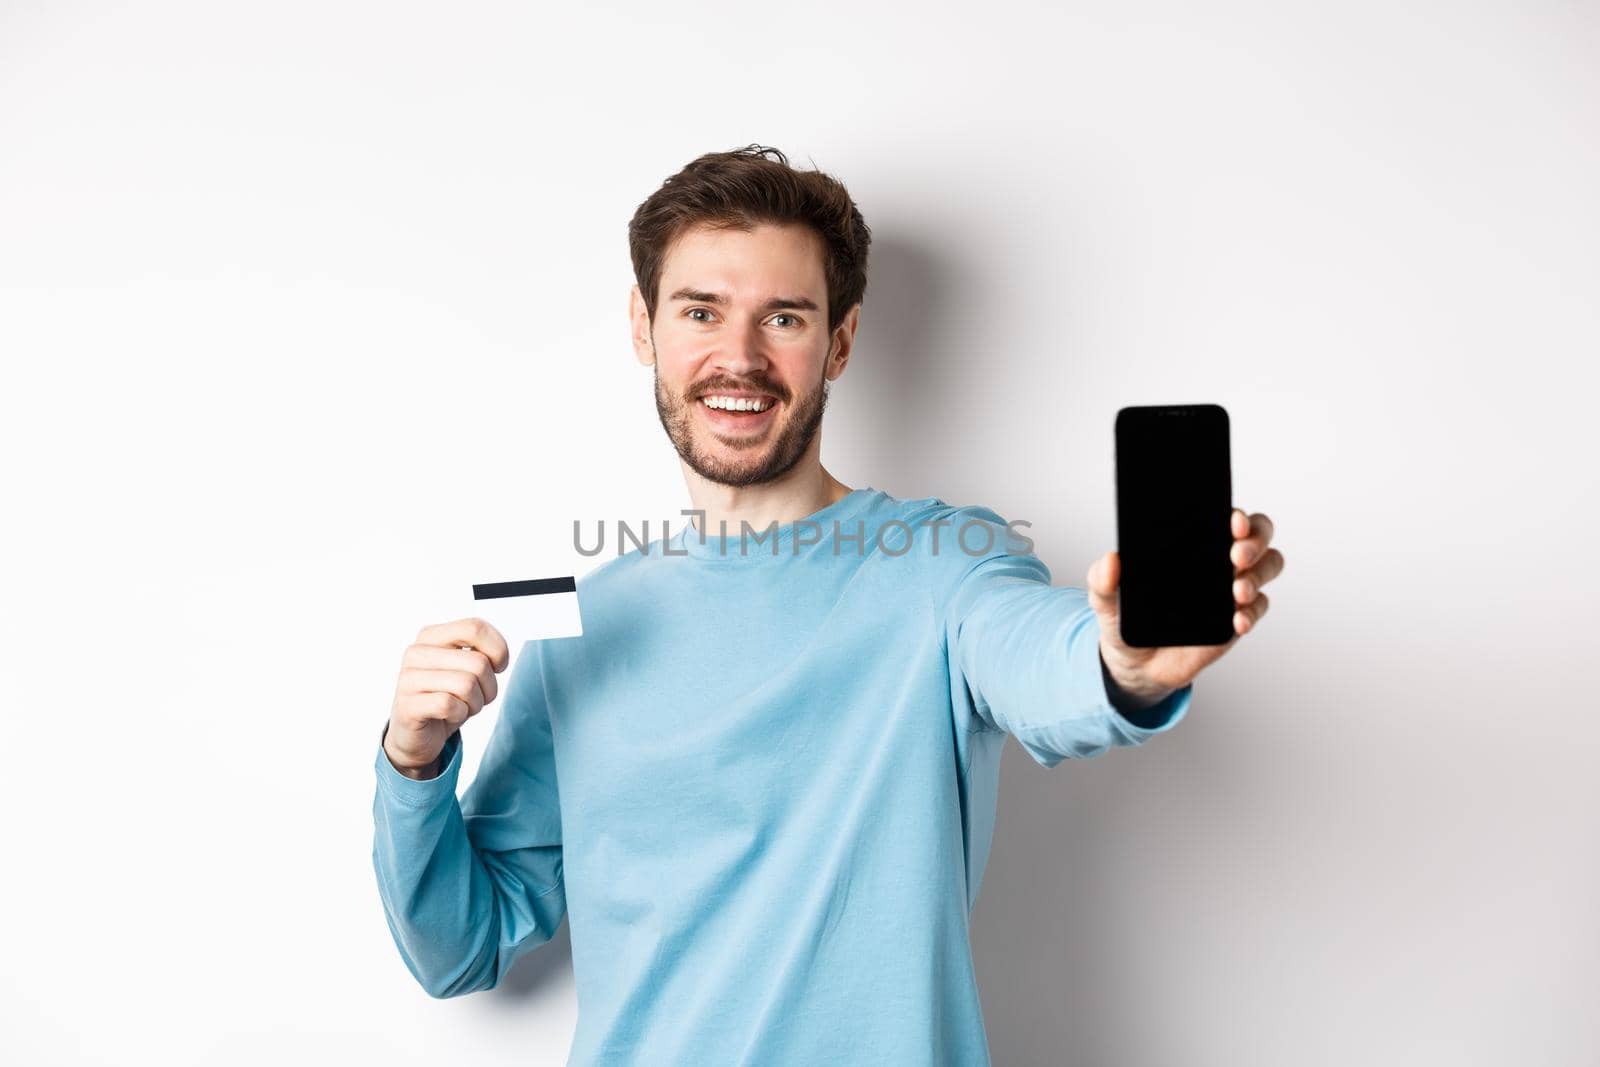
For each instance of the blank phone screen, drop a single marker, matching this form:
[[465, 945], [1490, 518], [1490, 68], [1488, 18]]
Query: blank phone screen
[[1174, 502]]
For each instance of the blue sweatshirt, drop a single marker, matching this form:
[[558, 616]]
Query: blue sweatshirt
[[761, 788]]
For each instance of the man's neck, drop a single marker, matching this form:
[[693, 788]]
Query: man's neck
[[794, 496]]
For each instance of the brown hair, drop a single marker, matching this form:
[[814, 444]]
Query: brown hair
[[743, 188]]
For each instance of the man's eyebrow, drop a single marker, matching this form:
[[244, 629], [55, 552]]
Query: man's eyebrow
[[777, 303]]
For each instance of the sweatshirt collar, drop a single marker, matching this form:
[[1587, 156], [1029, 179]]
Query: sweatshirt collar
[[759, 543]]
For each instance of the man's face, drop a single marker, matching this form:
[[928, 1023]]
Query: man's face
[[742, 315]]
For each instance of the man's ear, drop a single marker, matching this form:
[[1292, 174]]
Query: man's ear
[[844, 339], [644, 350]]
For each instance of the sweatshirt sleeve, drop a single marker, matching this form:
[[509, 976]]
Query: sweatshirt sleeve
[[1029, 655], [468, 887]]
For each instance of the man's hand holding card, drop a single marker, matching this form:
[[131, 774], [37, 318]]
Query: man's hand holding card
[[447, 674]]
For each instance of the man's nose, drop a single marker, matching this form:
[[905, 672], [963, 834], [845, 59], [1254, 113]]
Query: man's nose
[[742, 348]]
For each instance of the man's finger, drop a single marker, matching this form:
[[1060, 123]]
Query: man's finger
[[1102, 583], [1246, 617], [1248, 549], [1268, 567]]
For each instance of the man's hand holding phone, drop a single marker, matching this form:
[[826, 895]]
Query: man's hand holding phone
[[447, 675], [1149, 674]]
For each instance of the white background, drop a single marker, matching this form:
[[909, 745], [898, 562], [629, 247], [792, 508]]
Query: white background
[[311, 311]]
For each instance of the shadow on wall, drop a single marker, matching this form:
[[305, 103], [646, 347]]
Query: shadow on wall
[[536, 971], [889, 411], [1094, 869]]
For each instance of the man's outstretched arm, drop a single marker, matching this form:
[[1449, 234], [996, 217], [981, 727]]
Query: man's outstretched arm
[[1048, 665], [1029, 653]]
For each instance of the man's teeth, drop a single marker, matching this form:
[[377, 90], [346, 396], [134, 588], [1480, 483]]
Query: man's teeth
[[736, 403]]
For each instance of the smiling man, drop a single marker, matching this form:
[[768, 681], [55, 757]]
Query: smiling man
[[761, 786]]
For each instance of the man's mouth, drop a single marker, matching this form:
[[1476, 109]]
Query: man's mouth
[[738, 410]]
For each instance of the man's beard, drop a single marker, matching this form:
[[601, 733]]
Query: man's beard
[[768, 459]]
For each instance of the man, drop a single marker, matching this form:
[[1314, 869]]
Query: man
[[762, 784]]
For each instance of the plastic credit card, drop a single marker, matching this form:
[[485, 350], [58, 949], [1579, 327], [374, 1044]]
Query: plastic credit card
[[529, 610]]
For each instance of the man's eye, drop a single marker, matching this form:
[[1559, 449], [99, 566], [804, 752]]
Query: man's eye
[[695, 311]]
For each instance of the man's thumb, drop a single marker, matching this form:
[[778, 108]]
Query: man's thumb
[[1103, 576]]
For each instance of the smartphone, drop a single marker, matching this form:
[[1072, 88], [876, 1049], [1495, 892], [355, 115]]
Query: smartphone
[[1174, 511]]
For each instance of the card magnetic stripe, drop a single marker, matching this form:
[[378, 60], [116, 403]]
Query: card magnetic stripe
[[531, 587]]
